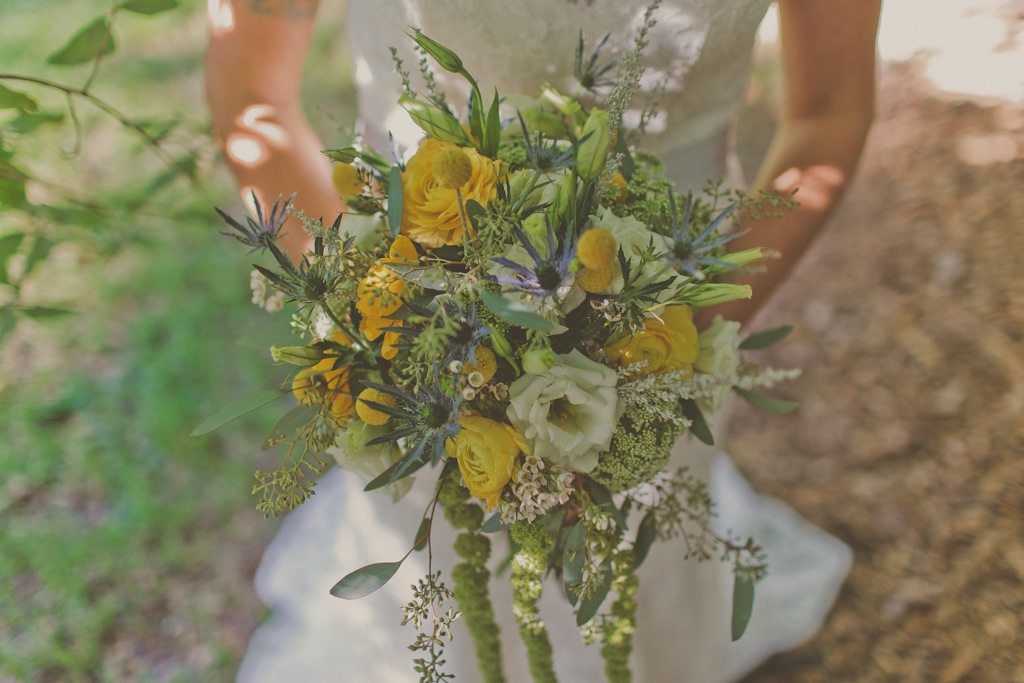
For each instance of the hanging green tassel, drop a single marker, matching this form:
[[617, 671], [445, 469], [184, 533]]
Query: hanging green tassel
[[470, 579], [528, 565], [618, 629]]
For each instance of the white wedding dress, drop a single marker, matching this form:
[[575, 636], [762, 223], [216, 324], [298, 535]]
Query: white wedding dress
[[701, 49]]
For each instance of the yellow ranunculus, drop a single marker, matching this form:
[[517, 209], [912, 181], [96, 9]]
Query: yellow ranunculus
[[665, 346], [487, 451], [380, 296], [430, 211], [323, 384]]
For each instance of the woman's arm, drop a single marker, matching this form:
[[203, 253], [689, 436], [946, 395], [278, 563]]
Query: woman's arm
[[828, 52], [253, 67]]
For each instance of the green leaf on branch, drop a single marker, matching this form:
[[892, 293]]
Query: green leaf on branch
[[434, 121], [772, 405], [698, 427], [36, 254], [12, 99], [92, 41], [28, 122], [8, 246], [7, 321], [645, 537], [515, 312], [148, 6], [762, 340], [366, 580], [493, 524], [742, 601], [590, 605], [395, 200], [12, 192], [293, 420], [43, 312], [237, 409]]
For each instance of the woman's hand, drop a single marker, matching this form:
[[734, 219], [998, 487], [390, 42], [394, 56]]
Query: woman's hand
[[253, 67], [828, 51]]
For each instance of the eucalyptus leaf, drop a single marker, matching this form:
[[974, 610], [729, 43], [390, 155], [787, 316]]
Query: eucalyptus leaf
[[645, 537], [12, 99], [574, 558], [761, 340], [493, 524], [236, 409], [742, 602], [149, 6], [395, 201], [92, 41], [589, 606], [365, 580], [422, 534], [293, 420], [772, 405], [514, 312], [698, 427]]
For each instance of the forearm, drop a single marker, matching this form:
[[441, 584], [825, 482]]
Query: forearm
[[253, 68], [817, 158]]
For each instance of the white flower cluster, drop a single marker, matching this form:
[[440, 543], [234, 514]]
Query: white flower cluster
[[263, 295], [537, 491]]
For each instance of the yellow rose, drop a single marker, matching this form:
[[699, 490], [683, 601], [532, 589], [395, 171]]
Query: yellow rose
[[380, 296], [430, 210], [487, 451], [666, 346]]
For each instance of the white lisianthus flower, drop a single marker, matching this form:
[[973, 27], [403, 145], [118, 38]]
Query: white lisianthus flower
[[630, 233], [719, 356], [569, 414], [368, 462]]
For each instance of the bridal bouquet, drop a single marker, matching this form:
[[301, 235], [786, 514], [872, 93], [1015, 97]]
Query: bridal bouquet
[[509, 312]]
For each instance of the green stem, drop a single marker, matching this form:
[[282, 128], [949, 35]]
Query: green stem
[[528, 568]]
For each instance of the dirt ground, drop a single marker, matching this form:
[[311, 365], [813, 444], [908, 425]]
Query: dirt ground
[[908, 444]]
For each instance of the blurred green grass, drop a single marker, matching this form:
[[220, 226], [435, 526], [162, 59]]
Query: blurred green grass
[[126, 547]]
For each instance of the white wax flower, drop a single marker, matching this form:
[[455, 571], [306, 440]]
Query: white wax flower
[[568, 414]]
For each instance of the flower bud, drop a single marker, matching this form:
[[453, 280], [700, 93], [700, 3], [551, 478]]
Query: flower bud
[[306, 356], [715, 294], [475, 379], [592, 152], [443, 55], [538, 361], [536, 230], [468, 393]]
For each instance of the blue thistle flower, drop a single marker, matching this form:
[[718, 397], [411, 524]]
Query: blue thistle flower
[[690, 253], [549, 274], [262, 231]]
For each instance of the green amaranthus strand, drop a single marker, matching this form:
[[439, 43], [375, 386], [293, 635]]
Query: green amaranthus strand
[[618, 629], [470, 580], [528, 567]]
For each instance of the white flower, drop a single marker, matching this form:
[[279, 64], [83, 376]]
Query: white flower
[[368, 462], [719, 356], [568, 414], [632, 234], [263, 294]]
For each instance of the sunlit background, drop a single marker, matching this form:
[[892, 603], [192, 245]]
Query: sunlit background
[[127, 549]]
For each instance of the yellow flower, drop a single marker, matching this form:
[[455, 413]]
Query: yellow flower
[[452, 167], [596, 249], [621, 188], [369, 414], [380, 296], [487, 451], [430, 210], [666, 346], [486, 363], [346, 180], [594, 281], [323, 384]]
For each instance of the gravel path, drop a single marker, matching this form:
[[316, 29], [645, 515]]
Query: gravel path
[[908, 444]]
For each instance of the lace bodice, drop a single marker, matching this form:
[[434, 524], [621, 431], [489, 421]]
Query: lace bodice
[[700, 48]]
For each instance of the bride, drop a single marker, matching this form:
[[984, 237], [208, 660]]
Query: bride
[[701, 50]]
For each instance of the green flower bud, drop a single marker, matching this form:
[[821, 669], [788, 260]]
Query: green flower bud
[[502, 347], [714, 294], [443, 55], [565, 197], [538, 361], [742, 258], [536, 230], [434, 121], [306, 356], [592, 152]]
